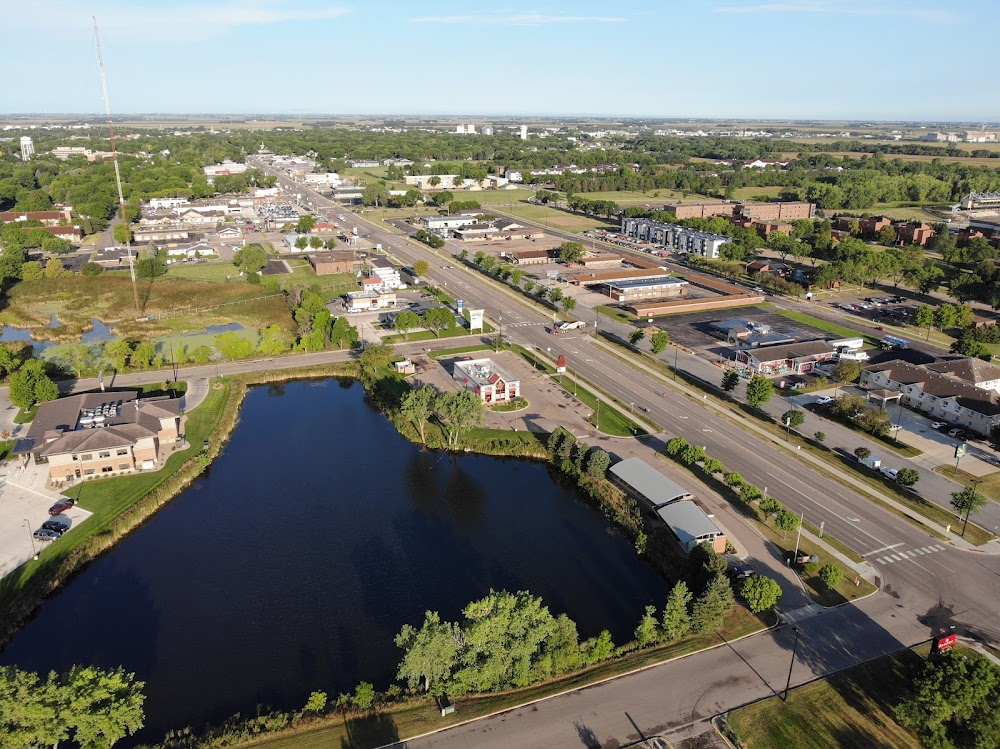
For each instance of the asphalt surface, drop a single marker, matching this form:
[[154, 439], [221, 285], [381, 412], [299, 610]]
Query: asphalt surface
[[922, 591]]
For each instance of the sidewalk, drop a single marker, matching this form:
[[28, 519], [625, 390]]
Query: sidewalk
[[993, 547]]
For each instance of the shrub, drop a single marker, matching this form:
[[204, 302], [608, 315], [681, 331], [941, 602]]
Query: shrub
[[830, 574]]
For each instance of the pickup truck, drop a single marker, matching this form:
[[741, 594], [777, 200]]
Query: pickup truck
[[560, 327]]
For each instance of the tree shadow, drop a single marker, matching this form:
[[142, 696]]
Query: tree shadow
[[587, 736], [368, 731]]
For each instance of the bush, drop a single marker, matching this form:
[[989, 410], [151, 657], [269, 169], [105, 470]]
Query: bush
[[862, 452], [761, 593], [675, 445], [820, 437]]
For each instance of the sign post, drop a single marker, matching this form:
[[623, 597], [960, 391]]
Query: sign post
[[960, 453]]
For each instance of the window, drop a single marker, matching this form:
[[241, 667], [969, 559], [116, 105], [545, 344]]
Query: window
[[88, 472], [123, 466], [105, 454], [87, 456], [107, 469], [122, 451]]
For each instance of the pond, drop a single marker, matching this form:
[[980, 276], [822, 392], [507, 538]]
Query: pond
[[293, 562]]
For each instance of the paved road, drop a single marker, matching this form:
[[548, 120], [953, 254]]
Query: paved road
[[924, 587]]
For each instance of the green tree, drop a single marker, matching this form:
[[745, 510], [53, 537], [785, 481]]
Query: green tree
[[274, 341], [342, 332], [305, 224], [598, 462], [316, 703], [458, 412], [966, 502], [233, 346], [820, 437], [315, 242], [250, 259], [730, 379], [32, 271], [759, 391], [91, 269], [733, 479], [712, 606], [907, 476], [793, 418], [675, 446], [101, 707], [600, 648], [760, 592], [375, 193], [118, 353], [504, 635], [54, 268], [438, 319], [635, 336], [143, 354], [406, 321], [945, 316], [676, 618], [571, 252], [562, 649], [150, 267], [430, 653], [887, 236], [924, 317], [846, 371], [569, 303], [301, 243], [417, 406], [421, 267], [861, 453], [374, 359], [648, 631], [953, 702], [364, 695], [830, 574], [201, 355], [122, 233], [786, 521], [658, 342]]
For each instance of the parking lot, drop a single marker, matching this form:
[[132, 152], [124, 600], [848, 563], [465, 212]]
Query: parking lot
[[695, 332], [24, 506]]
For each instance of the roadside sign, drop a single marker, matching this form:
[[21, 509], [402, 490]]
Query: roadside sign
[[943, 642], [460, 303], [960, 451]]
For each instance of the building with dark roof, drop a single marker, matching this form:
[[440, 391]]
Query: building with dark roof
[[785, 359], [102, 434], [945, 390]]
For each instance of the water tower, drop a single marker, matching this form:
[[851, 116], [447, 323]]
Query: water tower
[[27, 148]]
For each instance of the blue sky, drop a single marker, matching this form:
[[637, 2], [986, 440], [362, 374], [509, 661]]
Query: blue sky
[[829, 59]]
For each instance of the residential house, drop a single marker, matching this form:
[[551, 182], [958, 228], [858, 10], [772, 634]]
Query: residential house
[[487, 380], [230, 233], [111, 257], [47, 218], [72, 233], [144, 234]]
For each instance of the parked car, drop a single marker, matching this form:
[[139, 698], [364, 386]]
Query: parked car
[[889, 473], [741, 571], [939, 424], [956, 433], [824, 400], [44, 535], [806, 559], [58, 526], [60, 507]]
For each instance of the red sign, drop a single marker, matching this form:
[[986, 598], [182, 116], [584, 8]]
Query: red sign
[[944, 642]]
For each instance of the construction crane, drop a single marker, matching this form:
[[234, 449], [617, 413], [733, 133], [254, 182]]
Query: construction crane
[[118, 174]]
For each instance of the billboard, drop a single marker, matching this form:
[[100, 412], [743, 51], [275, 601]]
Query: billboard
[[460, 303], [476, 319]]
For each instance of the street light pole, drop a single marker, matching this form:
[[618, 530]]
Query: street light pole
[[676, 349], [795, 647]]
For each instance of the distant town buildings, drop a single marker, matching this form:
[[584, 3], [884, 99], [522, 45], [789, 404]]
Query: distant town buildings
[[524, 132], [784, 211], [225, 168], [979, 201]]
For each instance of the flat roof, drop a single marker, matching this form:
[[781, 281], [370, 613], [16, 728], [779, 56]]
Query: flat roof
[[641, 283], [648, 483], [689, 522], [483, 371], [789, 351]]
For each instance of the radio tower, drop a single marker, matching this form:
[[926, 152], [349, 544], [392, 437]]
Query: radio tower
[[118, 174]]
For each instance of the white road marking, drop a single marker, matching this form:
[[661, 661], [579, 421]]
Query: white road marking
[[885, 548], [895, 557], [880, 560], [921, 552]]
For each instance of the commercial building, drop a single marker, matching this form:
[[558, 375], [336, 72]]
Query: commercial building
[[385, 271], [979, 201], [784, 211], [102, 434], [366, 301], [333, 261], [487, 380], [592, 277], [646, 288], [432, 223], [692, 526], [158, 204], [674, 237], [423, 181], [965, 392], [530, 257], [330, 179], [226, 167], [792, 358], [913, 232], [476, 231], [145, 234]]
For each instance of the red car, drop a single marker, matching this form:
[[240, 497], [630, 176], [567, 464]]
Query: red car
[[60, 507]]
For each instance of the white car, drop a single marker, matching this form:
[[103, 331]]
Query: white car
[[939, 424], [824, 400], [889, 473]]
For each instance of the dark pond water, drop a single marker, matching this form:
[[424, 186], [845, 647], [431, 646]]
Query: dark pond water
[[312, 539]]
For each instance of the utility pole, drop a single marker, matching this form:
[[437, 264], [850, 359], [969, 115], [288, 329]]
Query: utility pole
[[118, 174]]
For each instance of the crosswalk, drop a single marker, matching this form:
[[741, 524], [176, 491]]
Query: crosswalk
[[904, 554], [523, 324]]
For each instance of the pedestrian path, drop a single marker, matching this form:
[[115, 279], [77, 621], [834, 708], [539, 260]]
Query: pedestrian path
[[904, 554], [804, 612]]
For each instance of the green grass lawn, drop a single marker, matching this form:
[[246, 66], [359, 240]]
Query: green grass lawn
[[827, 326], [459, 350], [851, 710], [750, 193], [616, 314], [427, 335], [556, 218], [988, 485], [218, 271]]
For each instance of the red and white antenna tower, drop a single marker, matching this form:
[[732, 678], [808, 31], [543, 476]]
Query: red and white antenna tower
[[118, 174]]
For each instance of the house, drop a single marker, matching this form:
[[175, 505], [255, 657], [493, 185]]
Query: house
[[366, 301], [102, 434], [324, 227], [423, 181], [764, 164], [514, 176], [487, 380], [333, 261], [230, 233], [145, 234], [790, 358], [195, 218], [949, 392], [385, 272], [194, 251], [71, 233], [765, 266], [110, 257]]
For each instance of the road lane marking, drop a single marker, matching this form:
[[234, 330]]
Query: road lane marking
[[885, 548], [881, 560], [895, 557], [921, 552]]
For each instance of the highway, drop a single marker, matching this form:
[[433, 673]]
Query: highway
[[926, 583]]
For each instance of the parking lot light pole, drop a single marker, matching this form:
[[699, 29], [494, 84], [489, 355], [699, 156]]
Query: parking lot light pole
[[31, 538], [795, 647]]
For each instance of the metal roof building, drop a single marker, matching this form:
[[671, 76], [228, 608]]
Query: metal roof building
[[645, 482], [692, 525]]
